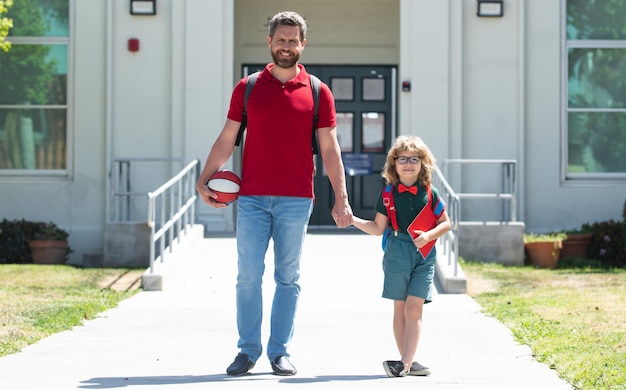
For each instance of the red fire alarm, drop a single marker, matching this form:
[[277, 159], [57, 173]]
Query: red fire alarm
[[133, 45]]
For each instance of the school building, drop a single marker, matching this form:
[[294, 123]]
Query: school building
[[89, 86]]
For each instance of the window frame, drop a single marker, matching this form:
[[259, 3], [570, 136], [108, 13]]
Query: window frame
[[26, 175], [566, 45]]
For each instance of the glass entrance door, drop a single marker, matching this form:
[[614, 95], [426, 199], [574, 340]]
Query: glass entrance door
[[365, 99]]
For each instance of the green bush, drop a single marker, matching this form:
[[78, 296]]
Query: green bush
[[15, 234], [14, 241], [608, 243]]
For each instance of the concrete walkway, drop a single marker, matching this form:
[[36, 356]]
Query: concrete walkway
[[184, 337]]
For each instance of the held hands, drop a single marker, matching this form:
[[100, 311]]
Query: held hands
[[342, 214]]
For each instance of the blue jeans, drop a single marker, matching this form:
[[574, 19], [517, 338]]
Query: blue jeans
[[284, 220]]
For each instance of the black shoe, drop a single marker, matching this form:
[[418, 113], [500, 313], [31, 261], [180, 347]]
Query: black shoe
[[394, 368], [418, 370], [282, 366], [240, 366]]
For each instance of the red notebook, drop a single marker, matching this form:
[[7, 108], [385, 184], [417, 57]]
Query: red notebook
[[424, 221]]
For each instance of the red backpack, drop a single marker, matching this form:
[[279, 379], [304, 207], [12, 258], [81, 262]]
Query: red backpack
[[391, 211]]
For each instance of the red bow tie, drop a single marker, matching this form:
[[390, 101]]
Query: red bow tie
[[403, 188]]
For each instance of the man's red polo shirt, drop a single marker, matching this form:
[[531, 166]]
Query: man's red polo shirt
[[277, 155]]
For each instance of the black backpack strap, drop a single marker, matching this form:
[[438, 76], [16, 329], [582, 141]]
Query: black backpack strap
[[244, 115], [315, 88]]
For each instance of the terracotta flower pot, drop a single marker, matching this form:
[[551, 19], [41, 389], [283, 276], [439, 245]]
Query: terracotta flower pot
[[48, 251], [576, 245], [544, 254]]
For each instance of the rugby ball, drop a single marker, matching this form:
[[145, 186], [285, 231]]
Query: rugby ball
[[226, 185]]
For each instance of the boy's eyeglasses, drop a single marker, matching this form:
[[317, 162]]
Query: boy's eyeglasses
[[404, 160]]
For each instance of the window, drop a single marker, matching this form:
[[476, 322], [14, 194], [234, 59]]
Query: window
[[596, 89], [33, 88]]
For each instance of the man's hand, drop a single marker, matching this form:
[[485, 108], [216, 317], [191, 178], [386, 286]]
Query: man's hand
[[209, 196], [342, 214]]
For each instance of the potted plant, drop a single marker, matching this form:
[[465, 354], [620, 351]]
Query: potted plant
[[543, 250], [576, 245], [48, 244]]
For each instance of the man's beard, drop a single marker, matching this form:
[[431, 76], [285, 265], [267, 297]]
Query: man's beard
[[285, 62]]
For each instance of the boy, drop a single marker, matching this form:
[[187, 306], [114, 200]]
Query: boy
[[408, 272]]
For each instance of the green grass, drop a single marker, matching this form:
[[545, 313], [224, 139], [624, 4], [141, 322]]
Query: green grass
[[37, 301], [573, 319]]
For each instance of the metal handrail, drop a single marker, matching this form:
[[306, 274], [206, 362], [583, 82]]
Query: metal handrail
[[449, 241], [174, 201], [121, 191], [508, 184]]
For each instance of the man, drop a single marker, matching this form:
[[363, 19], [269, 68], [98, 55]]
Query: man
[[276, 196]]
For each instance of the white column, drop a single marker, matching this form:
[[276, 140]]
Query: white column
[[208, 84], [425, 62]]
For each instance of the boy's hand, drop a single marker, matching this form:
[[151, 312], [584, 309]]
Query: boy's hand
[[421, 238]]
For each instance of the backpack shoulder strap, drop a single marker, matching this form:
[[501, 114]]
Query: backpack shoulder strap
[[315, 89], [391, 208], [251, 80], [387, 198]]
